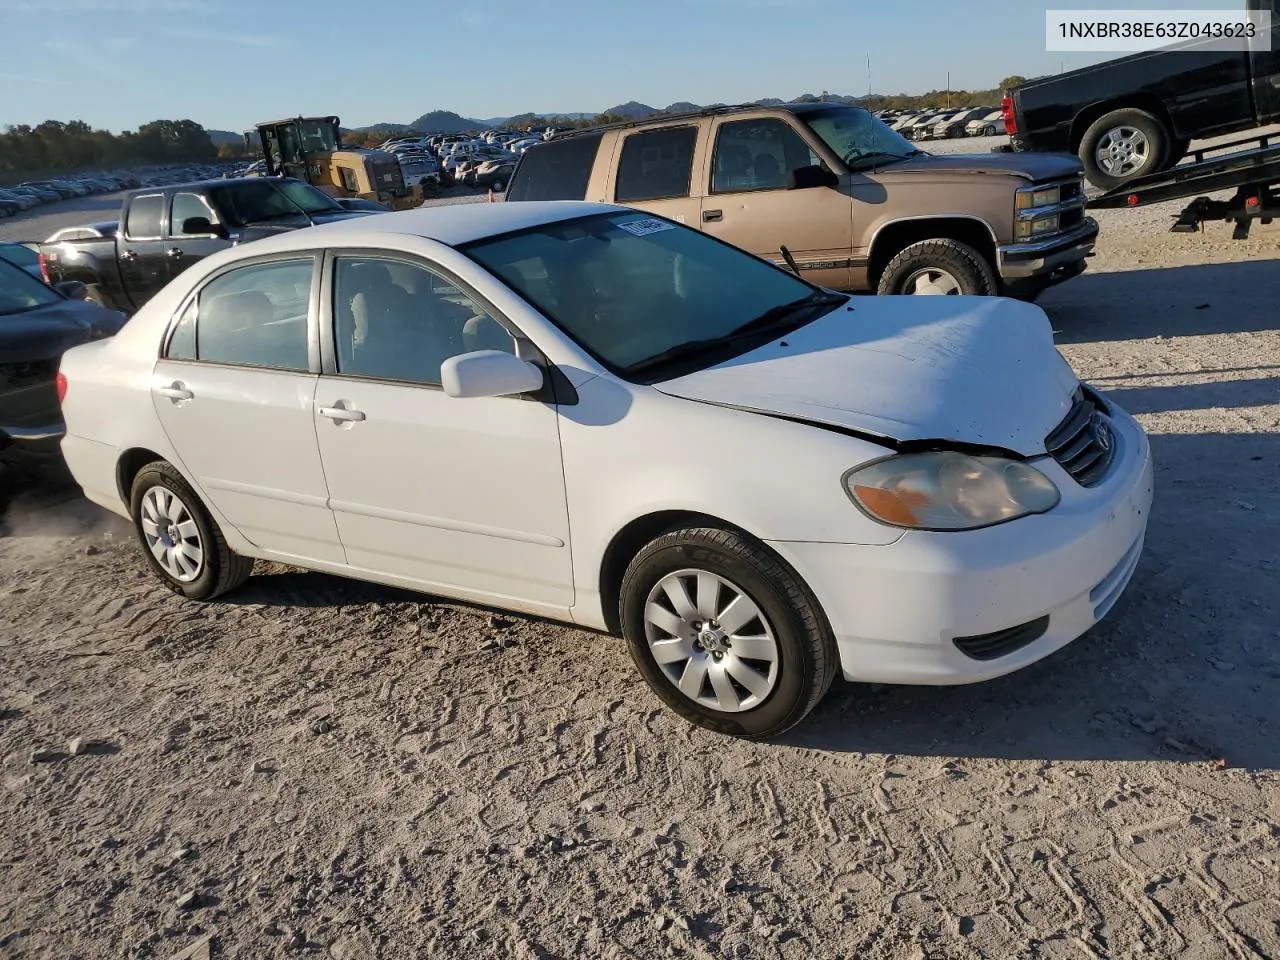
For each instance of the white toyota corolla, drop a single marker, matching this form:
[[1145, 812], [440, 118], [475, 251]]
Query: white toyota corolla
[[592, 414]]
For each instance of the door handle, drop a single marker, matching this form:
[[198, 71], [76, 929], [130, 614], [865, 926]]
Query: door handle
[[341, 414], [175, 252], [175, 392], [712, 216], [129, 255]]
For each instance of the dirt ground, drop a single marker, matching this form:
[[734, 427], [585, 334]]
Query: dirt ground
[[316, 766]]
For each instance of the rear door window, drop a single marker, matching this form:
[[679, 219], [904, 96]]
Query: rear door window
[[656, 164], [145, 213], [558, 170]]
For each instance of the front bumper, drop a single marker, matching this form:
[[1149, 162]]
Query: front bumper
[[898, 610], [1041, 263]]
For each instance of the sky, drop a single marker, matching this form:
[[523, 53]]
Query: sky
[[229, 64]]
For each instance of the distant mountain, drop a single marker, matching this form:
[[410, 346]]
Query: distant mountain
[[219, 137], [632, 110], [683, 106]]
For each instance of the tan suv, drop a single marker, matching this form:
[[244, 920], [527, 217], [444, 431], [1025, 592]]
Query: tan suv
[[855, 205]]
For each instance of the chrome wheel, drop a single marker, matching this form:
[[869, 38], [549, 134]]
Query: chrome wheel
[[711, 641], [171, 534], [1122, 150], [932, 281]]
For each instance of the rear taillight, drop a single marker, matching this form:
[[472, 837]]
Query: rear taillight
[[61, 383], [44, 270], [1010, 121]]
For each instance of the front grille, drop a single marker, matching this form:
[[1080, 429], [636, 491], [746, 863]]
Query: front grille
[[1070, 219], [992, 646], [1083, 443], [1072, 190]]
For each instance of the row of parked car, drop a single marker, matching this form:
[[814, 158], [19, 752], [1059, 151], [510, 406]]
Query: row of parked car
[[449, 159], [946, 124], [32, 193]]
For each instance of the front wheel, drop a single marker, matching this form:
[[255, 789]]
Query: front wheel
[[726, 634], [939, 267], [1121, 146], [181, 542]]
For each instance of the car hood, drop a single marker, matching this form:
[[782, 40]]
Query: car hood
[[269, 228], [967, 370], [47, 332], [1035, 167]]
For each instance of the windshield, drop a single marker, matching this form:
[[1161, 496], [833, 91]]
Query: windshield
[[636, 291], [858, 138], [19, 291], [19, 254], [257, 202], [317, 136]]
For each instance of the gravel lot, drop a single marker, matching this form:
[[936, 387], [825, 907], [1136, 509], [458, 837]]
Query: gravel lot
[[316, 765]]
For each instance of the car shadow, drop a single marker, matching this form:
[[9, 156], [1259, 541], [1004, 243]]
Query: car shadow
[[289, 587], [1186, 667], [1169, 302]]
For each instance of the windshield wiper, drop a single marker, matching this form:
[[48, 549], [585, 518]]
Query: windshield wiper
[[773, 320], [880, 155]]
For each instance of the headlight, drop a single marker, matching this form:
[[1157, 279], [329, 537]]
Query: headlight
[[1038, 198], [1040, 226], [945, 490]]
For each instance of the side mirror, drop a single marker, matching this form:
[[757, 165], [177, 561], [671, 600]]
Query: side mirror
[[72, 289], [805, 178], [195, 226], [489, 373]]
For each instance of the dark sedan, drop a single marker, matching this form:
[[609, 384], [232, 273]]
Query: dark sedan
[[38, 323]]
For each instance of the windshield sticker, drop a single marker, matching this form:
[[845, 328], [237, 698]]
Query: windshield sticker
[[642, 228]]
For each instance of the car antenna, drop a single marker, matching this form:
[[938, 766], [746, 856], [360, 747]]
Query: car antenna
[[791, 261]]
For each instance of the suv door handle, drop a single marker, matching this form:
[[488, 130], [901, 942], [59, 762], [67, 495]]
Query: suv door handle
[[175, 392], [712, 216], [129, 255], [175, 252], [341, 414]]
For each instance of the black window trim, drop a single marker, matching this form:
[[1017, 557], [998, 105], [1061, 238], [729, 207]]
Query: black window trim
[[313, 298], [621, 150], [164, 216], [596, 138], [526, 349]]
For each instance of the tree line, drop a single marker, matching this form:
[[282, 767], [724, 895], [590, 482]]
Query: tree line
[[57, 146]]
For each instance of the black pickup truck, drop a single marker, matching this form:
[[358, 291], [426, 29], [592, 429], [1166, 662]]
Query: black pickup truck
[[164, 230], [1136, 115]]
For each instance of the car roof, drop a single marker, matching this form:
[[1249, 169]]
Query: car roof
[[450, 224]]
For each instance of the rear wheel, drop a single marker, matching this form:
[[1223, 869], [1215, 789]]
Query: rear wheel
[[182, 543], [1121, 146], [939, 267], [726, 634]]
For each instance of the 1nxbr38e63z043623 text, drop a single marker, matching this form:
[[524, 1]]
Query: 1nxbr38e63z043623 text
[[1139, 30]]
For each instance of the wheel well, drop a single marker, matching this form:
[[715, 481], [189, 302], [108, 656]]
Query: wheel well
[[1152, 105], [131, 461], [896, 237], [628, 541]]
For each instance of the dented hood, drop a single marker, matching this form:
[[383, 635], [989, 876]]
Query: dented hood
[[975, 370]]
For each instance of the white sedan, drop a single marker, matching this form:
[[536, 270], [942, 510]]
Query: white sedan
[[592, 414]]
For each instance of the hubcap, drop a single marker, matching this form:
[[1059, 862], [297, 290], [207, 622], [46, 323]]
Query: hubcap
[[711, 640], [171, 534], [1122, 150], [932, 281]]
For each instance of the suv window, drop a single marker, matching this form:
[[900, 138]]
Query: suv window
[[757, 155], [185, 206], [656, 164], [143, 222], [557, 170], [399, 321], [252, 316]]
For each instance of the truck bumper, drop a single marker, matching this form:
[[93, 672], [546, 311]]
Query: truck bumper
[[1027, 268]]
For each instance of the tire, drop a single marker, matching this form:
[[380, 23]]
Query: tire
[[950, 266], [1177, 150], [498, 185], [988, 131], [93, 294], [218, 569], [1126, 134], [788, 624]]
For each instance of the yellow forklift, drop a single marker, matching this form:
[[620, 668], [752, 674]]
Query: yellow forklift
[[310, 149]]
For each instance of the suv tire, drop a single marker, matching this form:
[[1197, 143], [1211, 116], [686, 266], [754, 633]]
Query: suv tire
[[1136, 141], [783, 624], [939, 267]]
